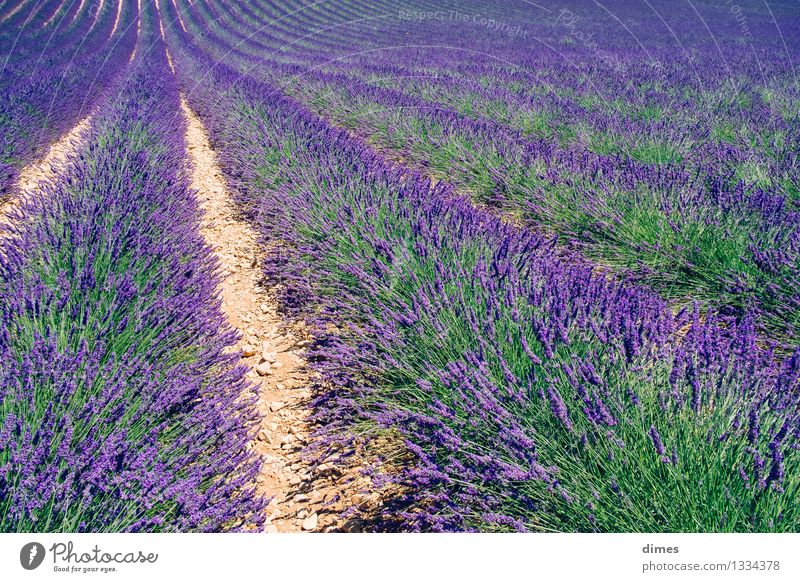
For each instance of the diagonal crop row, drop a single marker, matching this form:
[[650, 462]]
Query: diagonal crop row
[[714, 220], [121, 406], [53, 81], [532, 393]]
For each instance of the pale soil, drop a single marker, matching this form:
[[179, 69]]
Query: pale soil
[[52, 16], [52, 164], [14, 10], [178, 13], [78, 11], [116, 20], [45, 170], [139, 29], [97, 13], [305, 498]]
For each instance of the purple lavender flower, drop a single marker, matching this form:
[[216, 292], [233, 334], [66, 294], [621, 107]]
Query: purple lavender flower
[[657, 442], [558, 407]]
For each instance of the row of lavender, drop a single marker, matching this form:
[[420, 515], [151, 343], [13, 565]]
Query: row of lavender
[[530, 73], [684, 179], [29, 17], [121, 406], [531, 393], [52, 75]]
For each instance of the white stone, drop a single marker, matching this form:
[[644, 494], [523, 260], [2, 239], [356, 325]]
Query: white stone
[[310, 523]]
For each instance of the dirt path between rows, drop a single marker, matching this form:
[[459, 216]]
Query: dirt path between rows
[[52, 164], [304, 498], [46, 169]]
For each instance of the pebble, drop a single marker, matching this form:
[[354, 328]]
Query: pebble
[[294, 480], [303, 513], [271, 529], [264, 369], [264, 308], [276, 406], [310, 523], [273, 426], [248, 351], [269, 357]]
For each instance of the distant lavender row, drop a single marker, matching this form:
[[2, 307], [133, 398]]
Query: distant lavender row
[[685, 181], [50, 79], [28, 16], [564, 85], [532, 394], [122, 408]]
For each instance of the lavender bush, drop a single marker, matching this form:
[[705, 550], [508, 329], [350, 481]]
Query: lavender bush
[[678, 173], [549, 268], [532, 392], [120, 407], [51, 77]]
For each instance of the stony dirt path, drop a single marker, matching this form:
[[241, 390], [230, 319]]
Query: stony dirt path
[[52, 163], [304, 498], [46, 169]]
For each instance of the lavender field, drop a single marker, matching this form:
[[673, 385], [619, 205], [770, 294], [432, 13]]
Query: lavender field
[[421, 266]]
